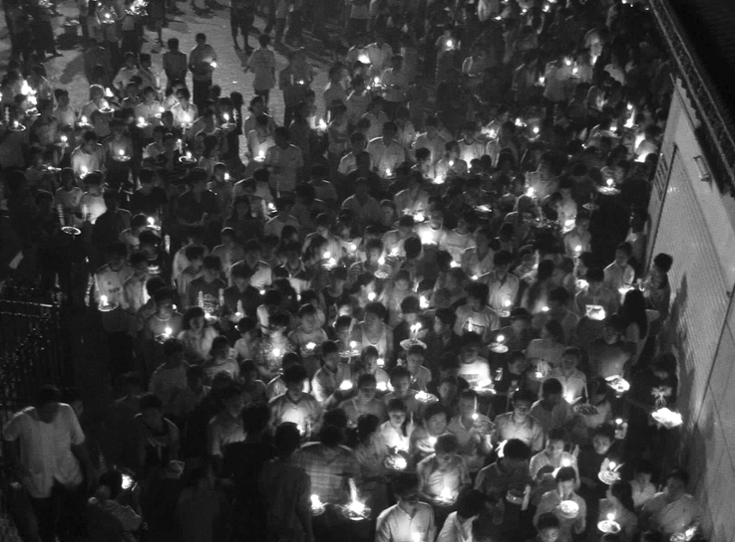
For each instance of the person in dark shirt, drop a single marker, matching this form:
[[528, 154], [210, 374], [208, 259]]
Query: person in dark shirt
[[197, 203], [442, 339], [149, 198], [241, 468], [508, 378], [207, 291], [242, 299]]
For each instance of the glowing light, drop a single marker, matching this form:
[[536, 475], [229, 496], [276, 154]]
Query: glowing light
[[371, 296], [167, 332], [321, 125], [151, 221], [103, 300], [346, 385], [500, 338], [381, 363], [213, 64], [610, 182]]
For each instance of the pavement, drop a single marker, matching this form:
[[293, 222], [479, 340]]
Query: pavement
[[67, 71]]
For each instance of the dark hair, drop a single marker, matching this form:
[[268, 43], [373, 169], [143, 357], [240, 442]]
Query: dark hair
[[47, 394], [435, 409], [517, 449], [405, 483], [446, 444], [679, 474], [552, 387], [367, 424], [331, 435], [548, 521], [294, 374], [566, 474], [470, 503], [255, 419], [287, 439], [634, 310]]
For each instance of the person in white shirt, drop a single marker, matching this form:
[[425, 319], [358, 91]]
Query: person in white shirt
[[395, 84], [379, 54], [185, 112], [263, 65], [673, 510], [44, 444], [285, 161], [386, 153], [432, 140], [409, 520], [458, 525], [620, 274]]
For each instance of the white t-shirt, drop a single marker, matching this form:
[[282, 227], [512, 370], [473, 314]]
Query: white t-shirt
[[45, 449]]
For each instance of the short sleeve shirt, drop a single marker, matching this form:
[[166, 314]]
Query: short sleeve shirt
[[45, 449]]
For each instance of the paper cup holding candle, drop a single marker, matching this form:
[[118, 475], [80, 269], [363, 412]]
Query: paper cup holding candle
[[568, 509], [609, 472], [668, 418], [609, 525], [187, 158], [106, 305], [317, 506], [426, 398], [499, 346], [618, 384], [595, 312]]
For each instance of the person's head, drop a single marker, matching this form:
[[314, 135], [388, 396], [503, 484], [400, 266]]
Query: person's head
[[565, 480], [405, 487], [613, 328], [552, 330], [444, 320], [415, 358], [516, 454], [603, 438], [436, 418], [116, 253], [233, 399], [46, 403], [468, 400], [570, 358], [194, 319], [366, 387], [548, 527], [201, 38], [212, 267], [294, 377], [445, 449], [287, 439], [469, 505], [623, 252], [332, 435], [255, 419], [522, 400], [643, 472], [551, 391], [400, 379], [676, 485], [151, 410], [556, 439]]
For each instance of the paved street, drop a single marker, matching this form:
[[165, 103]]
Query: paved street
[[67, 70]]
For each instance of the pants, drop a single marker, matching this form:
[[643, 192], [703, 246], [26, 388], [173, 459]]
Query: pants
[[201, 93], [62, 514], [241, 22], [265, 94], [288, 115]]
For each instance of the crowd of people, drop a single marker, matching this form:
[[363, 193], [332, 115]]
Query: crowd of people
[[423, 315]]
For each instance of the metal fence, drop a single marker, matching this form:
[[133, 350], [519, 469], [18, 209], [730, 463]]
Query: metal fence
[[34, 351]]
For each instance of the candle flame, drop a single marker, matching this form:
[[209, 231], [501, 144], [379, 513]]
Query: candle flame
[[103, 300]]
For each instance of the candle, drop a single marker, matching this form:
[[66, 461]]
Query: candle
[[151, 221], [381, 362], [415, 328], [213, 63], [121, 153], [167, 332], [346, 385], [536, 130], [277, 353], [388, 172], [381, 260], [542, 79], [445, 494], [450, 44], [84, 120], [321, 125], [610, 182], [416, 537], [507, 303], [474, 414], [188, 155], [226, 117], [501, 338], [103, 300], [531, 192], [141, 122], [371, 296], [423, 302]]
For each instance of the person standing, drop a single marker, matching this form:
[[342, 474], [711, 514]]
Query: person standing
[[174, 65], [202, 62], [262, 63], [242, 17], [286, 490], [44, 443]]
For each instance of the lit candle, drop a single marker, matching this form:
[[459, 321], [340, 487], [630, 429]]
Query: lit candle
[[371, 296], [103, 300], [310, 346], [542, 80], [500, 338], [381, 362], [423, 302], [151, 221], [213, 64], [450, 44], [610, 182], [346, 385], [226, 117], [277, 353], [167, 332], [388, 172], [121, 153]]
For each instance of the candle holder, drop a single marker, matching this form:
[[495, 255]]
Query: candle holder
[[187, 159], [595, 312], [355, 511], [397, 460], [585, 409], [309, 349], [106, 305], [568, 509], [609, 526], [16, 126], [121, 157], [408, 343], [426, 398], [317, 506], [499, 346], [609, 472], [667, 418], [514, 496], [618, 384], [166, 335]]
